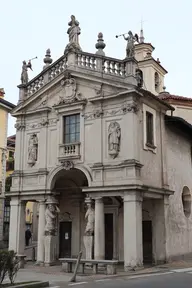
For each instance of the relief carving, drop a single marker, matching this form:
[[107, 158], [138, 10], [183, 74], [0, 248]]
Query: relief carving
[[44, 122], [32, 149], [19, 126], [114, 138], [125, 108], [67, 165], [69, 91], [130, 107]]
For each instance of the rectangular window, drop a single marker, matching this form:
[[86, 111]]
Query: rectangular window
[[7, 214], [71, 128], [149, 128]]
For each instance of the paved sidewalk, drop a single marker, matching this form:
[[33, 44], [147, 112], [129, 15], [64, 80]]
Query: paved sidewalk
[[54, 274]]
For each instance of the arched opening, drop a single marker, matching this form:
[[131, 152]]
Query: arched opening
[[139, 77], [67, 186], [186, 201], [157, 82]]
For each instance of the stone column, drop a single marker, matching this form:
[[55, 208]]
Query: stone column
[[133, 246], [17, 226], [41, 231], [99, 244], [160, 230]]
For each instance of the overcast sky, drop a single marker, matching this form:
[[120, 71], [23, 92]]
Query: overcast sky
[[29, 27]]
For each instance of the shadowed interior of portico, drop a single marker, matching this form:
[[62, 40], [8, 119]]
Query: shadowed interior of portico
[[67, 186]]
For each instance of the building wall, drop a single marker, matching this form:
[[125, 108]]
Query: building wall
[[179, 166], [3, 134], [93, 129], [183, 111]]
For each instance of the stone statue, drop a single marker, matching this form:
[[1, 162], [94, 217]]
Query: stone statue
[[90, 216], [24, 74], [51, 214], [130, 49], [74, 31], [114, 137], [32, 149]]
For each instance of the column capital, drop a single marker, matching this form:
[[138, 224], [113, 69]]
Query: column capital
[[166, 199], [98, 199], [132, 196], [41, 202], [16, 202]]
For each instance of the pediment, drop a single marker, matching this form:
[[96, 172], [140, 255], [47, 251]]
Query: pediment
[[71, 89]]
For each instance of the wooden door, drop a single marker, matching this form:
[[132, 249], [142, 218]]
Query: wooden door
[[147, 242], [109, 236], [65, 239]]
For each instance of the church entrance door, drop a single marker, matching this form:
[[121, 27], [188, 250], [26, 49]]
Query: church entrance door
[[147, 242], [109, 236], [65, 239]]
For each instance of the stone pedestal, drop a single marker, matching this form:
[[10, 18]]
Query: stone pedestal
[[88, 242], [50, 250]]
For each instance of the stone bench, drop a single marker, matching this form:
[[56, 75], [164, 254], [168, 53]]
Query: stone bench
[[111, 265], [21, 259]]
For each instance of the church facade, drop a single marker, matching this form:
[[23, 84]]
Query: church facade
[[98, 152]]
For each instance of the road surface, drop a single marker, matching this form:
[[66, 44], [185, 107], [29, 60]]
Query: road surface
[[171, 279]]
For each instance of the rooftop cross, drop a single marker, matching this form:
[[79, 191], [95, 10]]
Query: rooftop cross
[[142, 38]]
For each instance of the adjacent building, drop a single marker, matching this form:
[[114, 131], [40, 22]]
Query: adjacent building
[[91, 129], [31, 207], [5, 109]]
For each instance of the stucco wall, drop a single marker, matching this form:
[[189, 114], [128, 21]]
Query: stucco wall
[[179, 166], [151, 172]]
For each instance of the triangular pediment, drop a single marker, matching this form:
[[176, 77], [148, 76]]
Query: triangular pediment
[[69, 87]]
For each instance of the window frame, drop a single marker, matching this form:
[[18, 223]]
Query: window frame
[[65, 142], [149, 130], [149, 146]]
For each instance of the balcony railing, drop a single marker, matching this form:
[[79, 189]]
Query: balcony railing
[[69, 151]]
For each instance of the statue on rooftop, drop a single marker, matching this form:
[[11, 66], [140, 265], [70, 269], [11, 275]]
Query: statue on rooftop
[[24, 74], [74, 31], [130, 49]]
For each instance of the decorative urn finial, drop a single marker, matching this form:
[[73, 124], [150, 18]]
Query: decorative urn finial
[[100, 45], [47, 60]]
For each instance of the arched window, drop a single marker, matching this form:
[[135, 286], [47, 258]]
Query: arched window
[[157, 82], [186, 201], [139, 77]]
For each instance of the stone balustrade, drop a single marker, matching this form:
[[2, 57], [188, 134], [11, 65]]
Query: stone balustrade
[[69, 151], [46, 75], [84, 60]]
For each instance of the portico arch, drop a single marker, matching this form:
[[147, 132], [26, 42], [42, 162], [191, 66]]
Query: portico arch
[[56, 172], [66, 183]]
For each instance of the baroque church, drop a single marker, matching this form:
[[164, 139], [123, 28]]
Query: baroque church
[[103, 156]]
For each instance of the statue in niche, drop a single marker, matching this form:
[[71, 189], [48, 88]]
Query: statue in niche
[[33, 149], [90, 216], [74, 31], [114, 138], [51, 214], [130, 49]]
